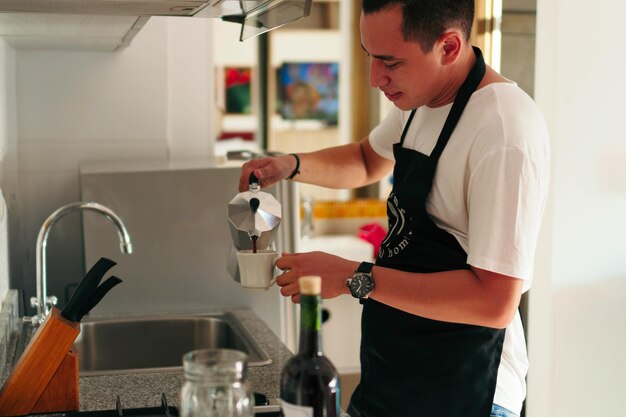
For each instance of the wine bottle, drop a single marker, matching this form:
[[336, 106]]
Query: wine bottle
[[309, 384]]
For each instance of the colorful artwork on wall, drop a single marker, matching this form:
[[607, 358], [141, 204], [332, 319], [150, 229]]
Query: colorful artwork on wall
[[309, 91], [238, 90]]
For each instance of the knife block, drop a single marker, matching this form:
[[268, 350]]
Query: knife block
[[45, 379]]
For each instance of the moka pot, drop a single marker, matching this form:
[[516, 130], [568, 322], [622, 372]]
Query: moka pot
[[252, 215]]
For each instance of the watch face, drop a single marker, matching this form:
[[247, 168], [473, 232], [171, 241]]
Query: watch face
[[361, 285]]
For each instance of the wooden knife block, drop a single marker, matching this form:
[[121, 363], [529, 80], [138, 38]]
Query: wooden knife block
[[45, 379]]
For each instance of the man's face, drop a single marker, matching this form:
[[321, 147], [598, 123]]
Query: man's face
[[400, 69]]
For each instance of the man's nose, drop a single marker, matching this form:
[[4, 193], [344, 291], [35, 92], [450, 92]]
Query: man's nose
[[378, 78]]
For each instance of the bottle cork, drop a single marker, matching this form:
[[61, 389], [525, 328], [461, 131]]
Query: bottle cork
[[310, 285]]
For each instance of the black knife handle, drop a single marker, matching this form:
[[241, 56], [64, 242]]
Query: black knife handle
[[86, 288], [97, 296]]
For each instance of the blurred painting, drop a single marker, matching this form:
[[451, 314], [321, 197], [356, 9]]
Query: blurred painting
[[238, 90], [309, 91]]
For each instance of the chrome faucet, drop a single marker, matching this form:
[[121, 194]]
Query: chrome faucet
[[42, 302]]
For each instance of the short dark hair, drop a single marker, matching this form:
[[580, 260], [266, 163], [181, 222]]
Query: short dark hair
[[424, 21]]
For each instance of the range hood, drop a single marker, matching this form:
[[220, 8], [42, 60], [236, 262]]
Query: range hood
[[254, 16]]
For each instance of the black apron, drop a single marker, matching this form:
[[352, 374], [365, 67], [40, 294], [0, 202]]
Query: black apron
[[413, 366]]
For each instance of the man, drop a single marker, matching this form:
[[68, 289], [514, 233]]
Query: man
[[441, 334]]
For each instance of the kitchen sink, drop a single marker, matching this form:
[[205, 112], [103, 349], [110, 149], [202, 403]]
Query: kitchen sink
[[157, 343]]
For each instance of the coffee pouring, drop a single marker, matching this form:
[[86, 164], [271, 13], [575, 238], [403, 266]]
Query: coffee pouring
[[253, 218]]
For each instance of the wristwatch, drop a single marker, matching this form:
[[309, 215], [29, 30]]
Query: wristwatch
[[361, 284]]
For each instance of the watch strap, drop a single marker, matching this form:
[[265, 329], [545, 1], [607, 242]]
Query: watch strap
[[365, 267]]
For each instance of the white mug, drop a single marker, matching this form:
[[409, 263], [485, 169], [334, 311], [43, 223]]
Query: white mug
[[256, 270]]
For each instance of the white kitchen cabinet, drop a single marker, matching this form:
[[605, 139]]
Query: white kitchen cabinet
[[342, 331]]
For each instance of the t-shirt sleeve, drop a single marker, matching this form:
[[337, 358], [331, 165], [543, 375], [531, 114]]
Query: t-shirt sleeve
[[506, 199], [388, 132]]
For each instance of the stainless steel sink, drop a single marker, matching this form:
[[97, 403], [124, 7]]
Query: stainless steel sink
[[157, 344]]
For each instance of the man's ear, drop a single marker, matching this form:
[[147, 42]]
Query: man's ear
[[450, 45]]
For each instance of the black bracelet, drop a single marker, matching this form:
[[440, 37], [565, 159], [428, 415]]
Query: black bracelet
[[296, 171]]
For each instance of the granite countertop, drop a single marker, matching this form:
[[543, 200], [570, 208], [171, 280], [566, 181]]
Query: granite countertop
[[145, 389]]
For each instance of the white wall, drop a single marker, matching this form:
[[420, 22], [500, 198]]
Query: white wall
[[7, 155], [4, 248], [152, 99], [578, 310]]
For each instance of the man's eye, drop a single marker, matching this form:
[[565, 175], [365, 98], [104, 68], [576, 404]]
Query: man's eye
[[390, 66]]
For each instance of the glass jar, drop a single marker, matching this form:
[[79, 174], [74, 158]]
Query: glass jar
[[215, 384]]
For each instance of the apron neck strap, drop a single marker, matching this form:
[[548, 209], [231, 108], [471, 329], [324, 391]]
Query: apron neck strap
[[406, 127], [470, 84]]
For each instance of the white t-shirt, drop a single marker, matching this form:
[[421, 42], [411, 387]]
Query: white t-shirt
[[489, 192]]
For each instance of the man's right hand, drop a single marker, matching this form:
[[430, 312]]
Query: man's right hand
[[268, 170]]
